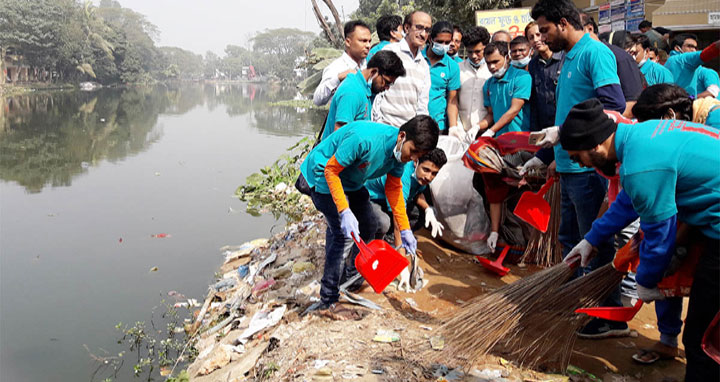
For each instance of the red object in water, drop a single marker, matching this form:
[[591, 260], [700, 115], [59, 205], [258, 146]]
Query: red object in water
[[379, 263], [496, 266], [534, 209], [613, 313], [160, 235]]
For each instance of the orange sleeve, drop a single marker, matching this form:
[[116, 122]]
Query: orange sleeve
[[394, 194], [332, 176]]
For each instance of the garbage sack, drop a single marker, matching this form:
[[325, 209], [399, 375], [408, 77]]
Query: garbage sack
[[459, 207]]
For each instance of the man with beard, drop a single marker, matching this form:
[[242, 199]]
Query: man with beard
[[589, 71], [353, 99], [669, 174]]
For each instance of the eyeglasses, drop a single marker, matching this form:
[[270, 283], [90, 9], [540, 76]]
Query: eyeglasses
[[420, 28], [386, 81]]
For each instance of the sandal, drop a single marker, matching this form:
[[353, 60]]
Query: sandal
[[659, 351], [338, 312]]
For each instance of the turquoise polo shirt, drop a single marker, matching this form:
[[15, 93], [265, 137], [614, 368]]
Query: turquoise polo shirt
[[713, 118], [351, 102], [376, 49], [683, 67], [498, 94], [589, 65], [457, 58], [364, 148], [671, 167], [656, 74], [444, 77], [410, 185], [705, 77]]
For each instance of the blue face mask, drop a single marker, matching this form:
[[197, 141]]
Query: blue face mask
[[397, 151], [521, 63], [479, 64], [440, 49]]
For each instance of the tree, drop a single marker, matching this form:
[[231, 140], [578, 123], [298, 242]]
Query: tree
[[276, 51]]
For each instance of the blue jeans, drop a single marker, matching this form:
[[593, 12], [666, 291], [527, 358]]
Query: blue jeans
[[340, 251], [582, 195], [669, 315]]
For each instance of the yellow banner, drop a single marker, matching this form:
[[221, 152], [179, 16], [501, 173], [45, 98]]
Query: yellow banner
[[512, 20]]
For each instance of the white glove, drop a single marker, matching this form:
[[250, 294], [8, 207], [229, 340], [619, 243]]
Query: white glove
[[404, 283], [552, 137], [471, 134], [648, 295], [492, 241], [583, 250], [457, 132], [432, 222], [488, 133], [535, 162]]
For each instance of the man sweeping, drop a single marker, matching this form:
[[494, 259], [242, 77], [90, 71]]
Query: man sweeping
[[336, 171], [670, 172]]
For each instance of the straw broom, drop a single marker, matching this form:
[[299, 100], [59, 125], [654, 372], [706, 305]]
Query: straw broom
[[487, 320], [542, 248]]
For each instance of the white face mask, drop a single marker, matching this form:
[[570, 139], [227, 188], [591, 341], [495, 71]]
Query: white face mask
[[521, 63], [479, 64], [642, 62], [397, 151], [500, 73]]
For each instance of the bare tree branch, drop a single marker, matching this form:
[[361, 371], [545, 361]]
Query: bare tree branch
[[336, 16]]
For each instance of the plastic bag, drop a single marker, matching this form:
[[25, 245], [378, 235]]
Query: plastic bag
[[458, 205]]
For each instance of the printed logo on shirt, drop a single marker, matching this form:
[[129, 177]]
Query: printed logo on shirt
[[442, 75], [363, 166], [670, 125], [569, 75]]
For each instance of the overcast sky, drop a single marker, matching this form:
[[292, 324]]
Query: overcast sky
[[200, 26]]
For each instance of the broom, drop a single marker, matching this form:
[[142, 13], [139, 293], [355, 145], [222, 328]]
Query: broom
[[542, 249], [485, 321]]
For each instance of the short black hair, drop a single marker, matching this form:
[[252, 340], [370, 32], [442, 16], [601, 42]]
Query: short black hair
[[586, 20], [629, 41], [476, 35], [680, 39], [620, 38], [500, 46], [387, 62], [655, 101], [556, 10], [423, 131], [387, 24], [654, 50], [436, 156], [456, 28], [441, 27], [351, 25], [519, 40], [645, 24], [643, 41]]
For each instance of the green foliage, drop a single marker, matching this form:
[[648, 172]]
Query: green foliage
[[272, 189]]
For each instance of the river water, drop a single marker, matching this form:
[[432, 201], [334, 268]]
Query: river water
[[86, 179]]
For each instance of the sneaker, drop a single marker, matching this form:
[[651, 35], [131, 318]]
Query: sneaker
[[316, 306], [599, 328]]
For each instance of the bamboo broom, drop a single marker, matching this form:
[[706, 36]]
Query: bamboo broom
[[542, 248]]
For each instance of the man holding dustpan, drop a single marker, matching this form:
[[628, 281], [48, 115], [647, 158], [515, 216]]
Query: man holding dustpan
[[336, 171], [670, 172]]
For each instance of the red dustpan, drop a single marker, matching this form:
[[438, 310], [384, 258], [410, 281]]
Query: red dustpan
[[379, 263], [613, 313], [496, 266], [534, 209]]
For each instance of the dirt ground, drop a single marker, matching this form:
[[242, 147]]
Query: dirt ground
[[316, 348]]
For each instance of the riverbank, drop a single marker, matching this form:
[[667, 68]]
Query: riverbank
[[10, 90], [250, 327]]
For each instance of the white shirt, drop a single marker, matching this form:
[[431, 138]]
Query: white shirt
[[471, 109], [330, 81], [410, 94]]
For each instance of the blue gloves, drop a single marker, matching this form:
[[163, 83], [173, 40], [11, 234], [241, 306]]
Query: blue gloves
[[408, 241], [349, 224]]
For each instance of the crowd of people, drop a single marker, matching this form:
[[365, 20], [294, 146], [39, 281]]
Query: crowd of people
[[628, 123]]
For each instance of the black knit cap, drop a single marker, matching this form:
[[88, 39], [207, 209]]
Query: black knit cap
[[586, 126]]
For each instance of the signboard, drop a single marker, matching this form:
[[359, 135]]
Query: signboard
[[604, 28], [511, 20], [633, 25], [618, 25], [617, 12], [604, 14], [636, 8], [714, 18]]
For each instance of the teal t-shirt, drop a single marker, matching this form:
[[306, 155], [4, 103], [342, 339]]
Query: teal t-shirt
[[498, 94], [589, 65], [672, 167], [705, 77], [683, 67], [411, 187], [351, 102], [376, 49], [457, 58], [364, 148], [655, 73], [444, 77], [713, 118]]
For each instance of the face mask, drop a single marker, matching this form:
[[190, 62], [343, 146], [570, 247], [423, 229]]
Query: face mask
[[370, 81], [479, 64], [642, 62], [500, 73], [440, 49], [520, 63], [397, 152]]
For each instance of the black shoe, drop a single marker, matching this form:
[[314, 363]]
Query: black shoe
[[316, 306], [599, 328]]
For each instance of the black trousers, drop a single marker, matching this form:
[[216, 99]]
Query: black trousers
[[704, 304]]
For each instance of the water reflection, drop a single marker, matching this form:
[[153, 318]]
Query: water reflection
[[47, 139]]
